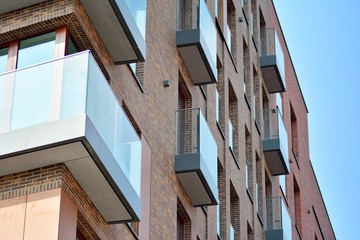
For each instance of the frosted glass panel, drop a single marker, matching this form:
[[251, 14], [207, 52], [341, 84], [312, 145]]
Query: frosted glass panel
[[31, 96]]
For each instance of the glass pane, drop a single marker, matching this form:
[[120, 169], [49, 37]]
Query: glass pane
[[113, 125], [71, 48], [208, 29], [3, 59], [73, 92], [36, 50], [231, 136], [3, 65], [138, 11], [208, 148], [127, 149], [32, 96]]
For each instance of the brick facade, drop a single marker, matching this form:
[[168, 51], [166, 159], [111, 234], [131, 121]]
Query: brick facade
[[152, 107]]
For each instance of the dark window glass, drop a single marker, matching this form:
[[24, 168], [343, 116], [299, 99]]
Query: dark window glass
[[3, 59]]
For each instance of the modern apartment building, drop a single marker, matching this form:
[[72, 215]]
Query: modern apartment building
[[152, 119]]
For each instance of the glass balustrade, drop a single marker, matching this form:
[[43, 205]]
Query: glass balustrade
[[66, 88]]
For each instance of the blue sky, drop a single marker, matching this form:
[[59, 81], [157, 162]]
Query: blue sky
[[323, 37]]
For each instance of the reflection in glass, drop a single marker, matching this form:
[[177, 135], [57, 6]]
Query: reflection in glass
[[36, 50], [71, 48], [231, 135], [208, 29], [31, 99], [73, 90], [84, 89], [138, 11], [31, 96]]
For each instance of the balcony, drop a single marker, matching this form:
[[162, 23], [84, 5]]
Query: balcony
[[197, 47], [275, 142], [196, 157], [272, 62], [64, 111], [119, 23], [278, 220]]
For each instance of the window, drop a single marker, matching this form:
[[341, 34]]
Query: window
[[180, 228], [262, 33], [249, 161], [135, 227], [231, 136], [254, 23], [138, 72], [250, 232], [256, 97], [297, 204], [294, 134], [182, 15], [36, 50], [282, 182], [217, 107], [218, 219], [259, 187], [79, 235], [233, 123], [216, 7], [183, 223], [230, 30], [232, 232], [246, 79], [234, 212], [71, 48], [247, 174], [32, 51], [3, 59]]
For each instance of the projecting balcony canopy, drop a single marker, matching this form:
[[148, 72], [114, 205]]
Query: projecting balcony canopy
[[272, 62], [278, 220], [197, 47], [275, 142], [120, 24], [64, 111], [196, 157]]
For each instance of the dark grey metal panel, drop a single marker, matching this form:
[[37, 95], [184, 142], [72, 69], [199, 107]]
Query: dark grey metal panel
[[193, 38], [130, 28], [194, 163], [118, 29], [271, 145], [271, 74], [187, 162], [274, 234], [211, 186], [7, 6], [112, 172], [274, 157]]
